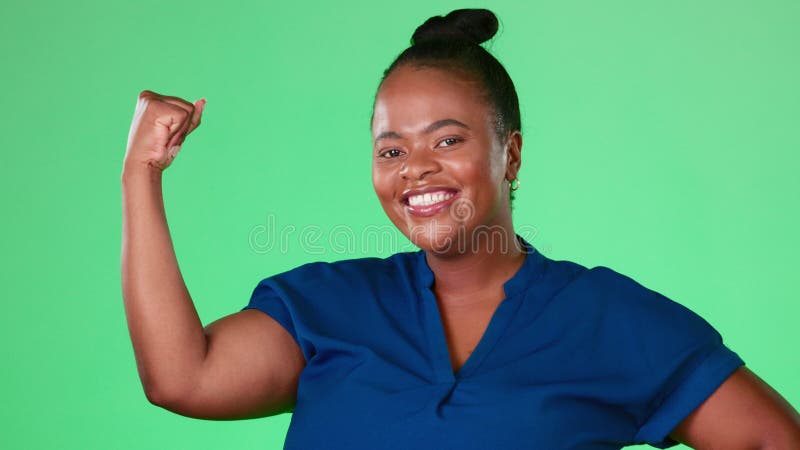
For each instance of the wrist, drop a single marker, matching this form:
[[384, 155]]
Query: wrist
[[135, 170]]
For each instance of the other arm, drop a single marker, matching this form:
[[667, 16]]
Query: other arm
[[743, 413]]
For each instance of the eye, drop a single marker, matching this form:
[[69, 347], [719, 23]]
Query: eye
[[451, 141], [391, 153]]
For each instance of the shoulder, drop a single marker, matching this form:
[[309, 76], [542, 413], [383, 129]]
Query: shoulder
[[614, 295], [665, 327], [565, 279], [603, 283], [605, 280], [617, 288]]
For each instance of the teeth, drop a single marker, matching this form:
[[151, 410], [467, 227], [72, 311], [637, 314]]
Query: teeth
[[431, 198]]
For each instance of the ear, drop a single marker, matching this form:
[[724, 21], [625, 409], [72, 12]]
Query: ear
[[513, 154]]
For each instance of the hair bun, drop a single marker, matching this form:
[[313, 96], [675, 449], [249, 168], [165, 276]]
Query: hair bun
[[472, 25]]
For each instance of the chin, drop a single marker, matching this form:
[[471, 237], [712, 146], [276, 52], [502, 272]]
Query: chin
[[442, 238], [444, 232]]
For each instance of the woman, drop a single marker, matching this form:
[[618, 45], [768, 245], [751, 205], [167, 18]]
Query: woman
[[476, 341]]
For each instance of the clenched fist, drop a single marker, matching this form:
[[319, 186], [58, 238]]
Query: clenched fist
[[160, 125]]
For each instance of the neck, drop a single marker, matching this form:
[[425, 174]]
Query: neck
[[479, 272]]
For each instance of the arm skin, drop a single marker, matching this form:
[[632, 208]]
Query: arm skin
[[743, 413], [168, 338], [241, 366]]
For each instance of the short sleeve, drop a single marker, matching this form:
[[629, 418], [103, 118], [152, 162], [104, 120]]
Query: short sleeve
[[678, 359], [684, 391], [266, 299]]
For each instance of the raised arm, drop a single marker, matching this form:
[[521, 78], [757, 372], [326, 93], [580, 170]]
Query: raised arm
[[241, 366]]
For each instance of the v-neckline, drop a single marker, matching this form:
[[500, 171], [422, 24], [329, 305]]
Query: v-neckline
[[498, 323]]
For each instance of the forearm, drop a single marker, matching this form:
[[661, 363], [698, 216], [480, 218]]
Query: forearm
[[168, 338]]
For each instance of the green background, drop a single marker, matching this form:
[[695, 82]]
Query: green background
[[660, 139]]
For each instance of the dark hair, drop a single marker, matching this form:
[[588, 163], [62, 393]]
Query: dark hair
[[453, 43]]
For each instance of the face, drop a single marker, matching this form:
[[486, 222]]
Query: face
[[437, 166]]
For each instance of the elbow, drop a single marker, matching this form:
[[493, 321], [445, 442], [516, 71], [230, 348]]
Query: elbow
[[167, 398], [171, 393], [157, 396]]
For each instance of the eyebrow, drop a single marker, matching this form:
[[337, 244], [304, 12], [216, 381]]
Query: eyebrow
[[429, 129]]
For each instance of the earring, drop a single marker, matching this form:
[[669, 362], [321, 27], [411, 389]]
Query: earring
[[513, 186]]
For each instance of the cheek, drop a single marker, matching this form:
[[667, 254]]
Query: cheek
[[382, 184], [493, 171], [479, 178], [476, 174]]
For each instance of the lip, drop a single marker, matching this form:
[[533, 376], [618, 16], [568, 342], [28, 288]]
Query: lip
[[427, 210], [418, 191]]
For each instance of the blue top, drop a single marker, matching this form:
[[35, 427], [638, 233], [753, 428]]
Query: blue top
[[573, 358]]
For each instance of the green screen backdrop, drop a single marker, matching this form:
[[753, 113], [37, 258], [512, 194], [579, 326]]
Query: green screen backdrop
[[660, 139]]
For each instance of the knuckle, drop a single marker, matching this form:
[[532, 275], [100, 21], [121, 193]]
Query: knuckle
[[179, 101], [176, 110]]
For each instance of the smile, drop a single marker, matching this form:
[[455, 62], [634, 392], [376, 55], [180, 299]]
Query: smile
[[429, 203], [430, 198]]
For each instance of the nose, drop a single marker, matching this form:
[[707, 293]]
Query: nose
[[418, 164]]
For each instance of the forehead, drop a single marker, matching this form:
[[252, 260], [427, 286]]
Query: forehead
[[411, 98]]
